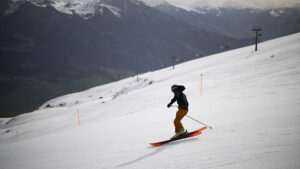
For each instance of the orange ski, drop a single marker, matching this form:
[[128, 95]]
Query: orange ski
[[183, 136]]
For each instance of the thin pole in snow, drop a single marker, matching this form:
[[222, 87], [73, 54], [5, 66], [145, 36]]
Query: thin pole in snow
[[201, 84], [173, 61], [78, 117], [257, 33], [17, 135]]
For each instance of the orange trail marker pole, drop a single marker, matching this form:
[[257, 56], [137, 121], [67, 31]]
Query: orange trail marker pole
[[201, 84], [78, 117]]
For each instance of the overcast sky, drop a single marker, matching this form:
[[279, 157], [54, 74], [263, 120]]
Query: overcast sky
[[262, 4]]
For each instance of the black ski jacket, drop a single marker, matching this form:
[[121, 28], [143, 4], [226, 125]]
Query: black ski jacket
[[180, 97]]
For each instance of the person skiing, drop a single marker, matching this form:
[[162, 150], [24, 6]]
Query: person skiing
[[183, 105]]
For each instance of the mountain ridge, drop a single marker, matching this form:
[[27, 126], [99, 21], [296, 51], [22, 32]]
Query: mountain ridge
[[43, 47], [238, 23]]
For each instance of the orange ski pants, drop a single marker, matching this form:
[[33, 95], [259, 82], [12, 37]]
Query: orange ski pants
[[179, 116]]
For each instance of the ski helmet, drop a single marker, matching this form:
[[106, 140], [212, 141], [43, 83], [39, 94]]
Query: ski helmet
[[174, 87]]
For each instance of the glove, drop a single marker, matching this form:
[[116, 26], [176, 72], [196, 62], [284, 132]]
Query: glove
[[169, 105]]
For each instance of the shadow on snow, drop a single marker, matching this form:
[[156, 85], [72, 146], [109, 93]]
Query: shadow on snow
[[158, 150]]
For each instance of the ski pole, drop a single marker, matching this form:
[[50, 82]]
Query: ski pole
[[195, 119], [198, 121]]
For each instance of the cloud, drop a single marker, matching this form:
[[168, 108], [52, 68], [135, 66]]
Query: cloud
[[257, 4]]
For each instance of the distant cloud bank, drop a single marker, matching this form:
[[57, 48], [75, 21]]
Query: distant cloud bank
[[256, 4]]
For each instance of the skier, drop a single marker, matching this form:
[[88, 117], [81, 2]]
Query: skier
[[183, 104]]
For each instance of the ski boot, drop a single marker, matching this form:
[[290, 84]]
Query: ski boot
[[179, 133]]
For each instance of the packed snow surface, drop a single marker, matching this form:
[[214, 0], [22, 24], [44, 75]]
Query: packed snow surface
[[251, 99]]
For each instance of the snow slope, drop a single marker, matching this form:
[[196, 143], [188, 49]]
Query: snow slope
[[250, 98]]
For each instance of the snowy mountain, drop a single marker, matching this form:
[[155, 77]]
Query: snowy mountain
[[47, 47], [250, 98], [238, 22], [86, 9], [204, 5]]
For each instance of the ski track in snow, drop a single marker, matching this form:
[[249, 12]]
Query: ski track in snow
[[251, 99]]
